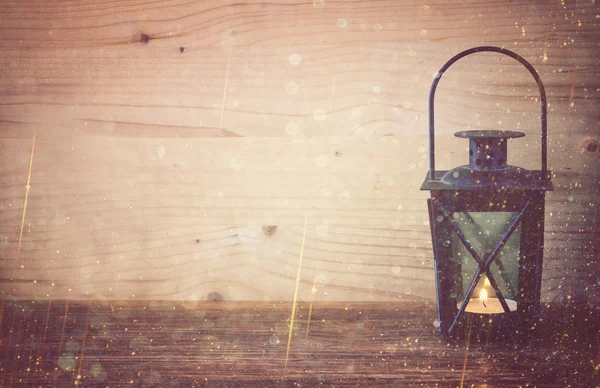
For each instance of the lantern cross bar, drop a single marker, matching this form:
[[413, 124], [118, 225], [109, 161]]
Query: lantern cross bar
[[476, 256], [485, 266], [499, 264]]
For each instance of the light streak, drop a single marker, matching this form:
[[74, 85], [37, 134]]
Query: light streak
[[548, 32], [85, 330], [45, 327], [224, 95], [289, 343], [47, 318], [313, 291], [27, 188], [572, 93], [62, 333], [462, 379]]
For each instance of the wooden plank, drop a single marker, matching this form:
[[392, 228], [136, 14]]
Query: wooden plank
[[191, 218], [232, 24], [335, 91], [244, 344]]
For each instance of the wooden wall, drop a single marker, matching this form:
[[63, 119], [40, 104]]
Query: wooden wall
[[180, 146]]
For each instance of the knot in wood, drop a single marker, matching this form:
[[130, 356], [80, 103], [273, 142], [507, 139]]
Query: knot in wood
[[269, 230], [590, 147], [144, 38]]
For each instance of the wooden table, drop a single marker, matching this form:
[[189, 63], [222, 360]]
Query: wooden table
[[209, 344]]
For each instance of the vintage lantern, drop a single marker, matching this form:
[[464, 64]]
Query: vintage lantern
[[487, 229]]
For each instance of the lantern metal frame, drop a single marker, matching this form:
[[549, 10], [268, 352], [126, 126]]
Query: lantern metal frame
[[488, 186]]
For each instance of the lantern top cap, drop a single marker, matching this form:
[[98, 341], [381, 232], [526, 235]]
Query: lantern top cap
[[489, 134]]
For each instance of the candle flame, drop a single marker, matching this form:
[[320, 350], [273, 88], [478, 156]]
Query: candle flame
[[483, 295], [486, 281]]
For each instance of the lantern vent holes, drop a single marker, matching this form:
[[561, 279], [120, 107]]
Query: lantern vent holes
[[488, 150]]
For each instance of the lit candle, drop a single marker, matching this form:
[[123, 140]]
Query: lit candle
[[485, 305]]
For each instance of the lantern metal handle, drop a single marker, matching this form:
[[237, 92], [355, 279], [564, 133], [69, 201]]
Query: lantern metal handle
[[441, 72]]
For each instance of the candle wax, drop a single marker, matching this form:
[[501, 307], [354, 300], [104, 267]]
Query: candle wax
[[492, 306]]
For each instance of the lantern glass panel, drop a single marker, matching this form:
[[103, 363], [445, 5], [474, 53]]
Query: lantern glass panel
[[483, 230]]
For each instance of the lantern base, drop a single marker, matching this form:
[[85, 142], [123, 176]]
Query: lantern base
[[504, 328]]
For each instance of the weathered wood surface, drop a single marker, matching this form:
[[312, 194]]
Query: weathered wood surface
[[180, 145], [172, 344]]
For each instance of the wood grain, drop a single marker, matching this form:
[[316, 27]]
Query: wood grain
[[157, 344], [158, 170]]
